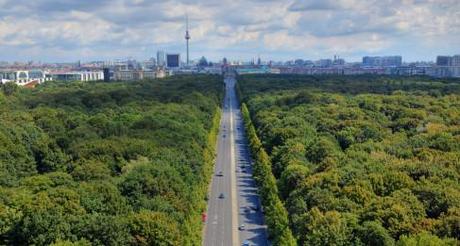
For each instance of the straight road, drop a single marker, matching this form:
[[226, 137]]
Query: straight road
[[233, 199]]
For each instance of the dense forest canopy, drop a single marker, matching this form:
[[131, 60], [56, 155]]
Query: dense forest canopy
[[362, 160], [107, 163]]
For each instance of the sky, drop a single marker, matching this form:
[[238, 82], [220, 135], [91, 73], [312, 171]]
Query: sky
[[71, 30]]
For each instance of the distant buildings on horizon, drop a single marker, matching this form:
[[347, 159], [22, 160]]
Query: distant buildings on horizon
[[448, 61], [165, 64], [382, 61], [445, 66]]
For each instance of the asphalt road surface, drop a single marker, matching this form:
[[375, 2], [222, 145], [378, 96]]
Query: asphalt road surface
[[233, 199]]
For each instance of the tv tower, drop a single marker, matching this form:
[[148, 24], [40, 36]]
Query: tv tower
[[187, 38]]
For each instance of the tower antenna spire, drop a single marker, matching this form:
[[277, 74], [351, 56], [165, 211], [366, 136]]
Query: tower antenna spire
[[187, 38]]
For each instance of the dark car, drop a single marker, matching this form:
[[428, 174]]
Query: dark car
[[221, 196]]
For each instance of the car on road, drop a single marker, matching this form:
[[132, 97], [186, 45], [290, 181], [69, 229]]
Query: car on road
[[220, 174], [242, 227], [221, 196], [224, 136]]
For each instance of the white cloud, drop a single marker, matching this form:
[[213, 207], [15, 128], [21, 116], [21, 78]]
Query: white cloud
[[89, 29]]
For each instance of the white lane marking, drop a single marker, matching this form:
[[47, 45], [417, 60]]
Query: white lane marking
[[235, 235], [222, 185]]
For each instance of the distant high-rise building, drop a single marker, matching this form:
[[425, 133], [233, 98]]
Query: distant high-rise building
[[455, 60], [161, 58], [106, 72], [446, 61], [172, 60], [443, 60], [187, 39], [382, 61]]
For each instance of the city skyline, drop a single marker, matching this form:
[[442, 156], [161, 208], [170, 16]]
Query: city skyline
[[418, 30]]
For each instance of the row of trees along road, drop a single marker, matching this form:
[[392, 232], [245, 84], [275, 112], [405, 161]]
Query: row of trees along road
[[107, 163], [275, 214], [363, 160]]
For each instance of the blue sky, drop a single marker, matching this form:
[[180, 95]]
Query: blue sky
[[69, 30]]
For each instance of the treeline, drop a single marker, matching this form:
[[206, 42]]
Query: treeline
[[362, 160], [356, 84], [107, 163]]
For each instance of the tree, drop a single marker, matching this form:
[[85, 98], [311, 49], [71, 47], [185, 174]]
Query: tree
[[9, 88], [291, 178], [450, 223], [153, 228], [102, 197], [91, 170], [322, 149], [102, 229], [424, 239], [325, 228], [9, 217], [373, 233]]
